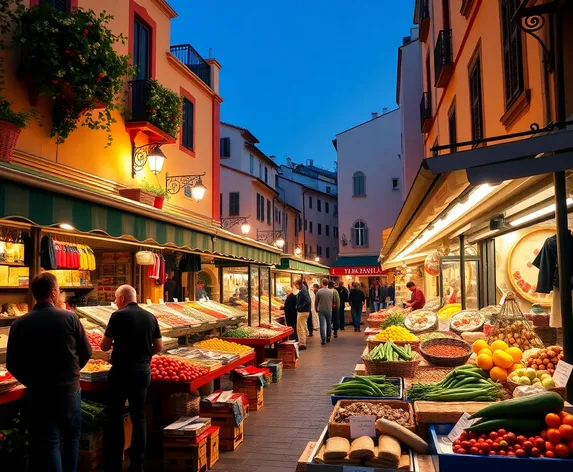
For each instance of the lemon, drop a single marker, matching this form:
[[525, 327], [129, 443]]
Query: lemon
[[498, 345]]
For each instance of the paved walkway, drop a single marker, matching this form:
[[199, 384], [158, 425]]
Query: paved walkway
[[296, 409]]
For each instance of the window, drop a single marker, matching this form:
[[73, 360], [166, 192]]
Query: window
[[258, 207], [251, 164], [60, 5], [225, 147], [476, 99], [266, 175], [260, 170], [269, 212], [335, 210], [512, 52], [262, 209], [300, 223], [310, 227], [360, 234], [234, 206], [187, 133], [141, 49], [309, 201], [335, 231], [359, 184], [280, 217], [326, 207], [319, 250], [305, 224], [319, 229], [328, 189], [276, 180], [452, 128], [328, 253], [395, 183], [319, 204], [327, 228]]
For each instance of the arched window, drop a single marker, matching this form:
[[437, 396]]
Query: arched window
[[359, 184], [360, 234]]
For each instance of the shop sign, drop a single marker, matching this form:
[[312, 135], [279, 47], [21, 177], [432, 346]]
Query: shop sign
[[364, 270]]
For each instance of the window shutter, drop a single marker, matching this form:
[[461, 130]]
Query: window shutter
[[353, 232], [269, 216], [234, 208], [365, 236], [60, 5], [187, 138], [258, 207], [225, 147]]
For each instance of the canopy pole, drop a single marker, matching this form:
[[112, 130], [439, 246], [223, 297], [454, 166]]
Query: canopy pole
[[463, 270]]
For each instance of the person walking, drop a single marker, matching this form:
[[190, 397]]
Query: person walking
[[309, 320], [356, 298], [375, 296], [290, 310], [303, 310], [315, 318], [335, 308], [343, 294], [384, 297], [392, 293], [54, 396], [135, 336], [324, 308], [418, 300]]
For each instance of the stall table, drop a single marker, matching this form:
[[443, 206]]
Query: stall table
[[259, 344], [12, 395]]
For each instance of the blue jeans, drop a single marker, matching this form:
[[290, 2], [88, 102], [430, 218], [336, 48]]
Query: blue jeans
[[126, 384], [54, 417], [356, 316], [325, 325], [376, 306]]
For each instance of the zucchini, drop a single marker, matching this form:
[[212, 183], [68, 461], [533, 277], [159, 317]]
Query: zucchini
[[534, 405], [515, 425]]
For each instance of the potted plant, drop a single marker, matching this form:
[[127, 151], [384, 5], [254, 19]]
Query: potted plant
[[164, 108], [160, 193], [11, 124]]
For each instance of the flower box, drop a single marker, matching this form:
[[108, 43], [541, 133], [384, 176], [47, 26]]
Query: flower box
[[139, 195]]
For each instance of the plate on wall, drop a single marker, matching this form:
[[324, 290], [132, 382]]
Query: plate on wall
[[521, 272]]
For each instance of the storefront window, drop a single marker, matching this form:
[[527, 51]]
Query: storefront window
[[255, 296], [282, 282], [235, 287], [450, 286], [265, 286]]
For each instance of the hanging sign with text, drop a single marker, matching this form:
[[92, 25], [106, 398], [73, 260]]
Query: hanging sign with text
[[360, 270]]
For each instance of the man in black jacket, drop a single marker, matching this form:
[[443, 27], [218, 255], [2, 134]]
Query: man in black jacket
[[343, 294], [135, 335], [54, 396], [303, 310]]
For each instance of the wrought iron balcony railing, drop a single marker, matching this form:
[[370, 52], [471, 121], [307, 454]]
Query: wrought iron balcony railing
[[443, 58], [193, 60], [426, 112]]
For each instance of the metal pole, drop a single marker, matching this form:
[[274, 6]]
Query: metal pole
[[463, 270]]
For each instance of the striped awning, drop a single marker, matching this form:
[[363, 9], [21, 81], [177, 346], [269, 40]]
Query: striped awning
[[288, 263], [46, 208]]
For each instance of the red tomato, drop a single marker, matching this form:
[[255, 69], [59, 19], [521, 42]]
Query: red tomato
[[493, 435], [511, 454], [539, 443], [501, 432], [474, 450], [175, 378], [528, 445], [492, 453], [561, 450], [510, 438], [166, 378], [502, 453], [535, 452], [566, 431], [485, 448], [550, 454], [520, 453], [554, 435]]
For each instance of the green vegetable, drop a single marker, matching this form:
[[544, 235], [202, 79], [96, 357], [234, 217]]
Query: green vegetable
[[389, 351], [393, 320], [515, 425], [533, 405], [366, 386]]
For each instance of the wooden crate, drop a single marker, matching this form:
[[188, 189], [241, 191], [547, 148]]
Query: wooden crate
[[253, 391], [228, 429], [213, 447], [231, 444], [445, 412], [305, 456], [185, 454], [138, 194], [291, 365], [90, 442]]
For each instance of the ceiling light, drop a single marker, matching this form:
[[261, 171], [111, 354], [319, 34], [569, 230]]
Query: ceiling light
[[66, 226], [538, 213]]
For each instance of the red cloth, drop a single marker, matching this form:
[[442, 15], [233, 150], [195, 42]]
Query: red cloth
[[418, 300]]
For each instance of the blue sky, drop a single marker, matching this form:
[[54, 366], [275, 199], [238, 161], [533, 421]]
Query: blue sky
[[297, 72]]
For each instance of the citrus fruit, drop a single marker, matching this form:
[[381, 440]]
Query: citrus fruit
[[486, 350], [552, 420], [498, 374], [484, 361], [502, 359], [498, 344], [515, 352], [478, 345]]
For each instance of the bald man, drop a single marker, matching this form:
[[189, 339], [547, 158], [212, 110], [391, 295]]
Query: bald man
[[135, 336]]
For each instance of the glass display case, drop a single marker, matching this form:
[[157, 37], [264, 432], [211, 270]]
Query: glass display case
[[282, 280], [235, 287], [265, 290], [450, 280]]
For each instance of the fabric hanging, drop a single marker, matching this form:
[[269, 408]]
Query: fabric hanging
[[48, 255]]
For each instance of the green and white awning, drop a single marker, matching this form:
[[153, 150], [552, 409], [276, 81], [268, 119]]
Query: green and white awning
[[288, 263]]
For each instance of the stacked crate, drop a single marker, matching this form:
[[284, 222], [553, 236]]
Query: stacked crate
[[288, 354], [276, 368], [231, 435], [192, 452], [252, 388]]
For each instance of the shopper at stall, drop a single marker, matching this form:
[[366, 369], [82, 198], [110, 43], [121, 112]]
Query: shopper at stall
[[135, 335], [170, 287], [315, 318], [309, 320], [290, 310], [324, 299], [375, 296], [417, 301], [356, 298], [200, 291], [303, 312], [392, 293], [54, 397], [335, 308], [343, 294]]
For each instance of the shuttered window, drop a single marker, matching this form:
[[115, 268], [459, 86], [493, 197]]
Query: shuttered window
[[225, 147], [187, 134], [268, 212], [512, 52], [319, 229], [326, 208], [234, 205], [359, 184], [476, 100], [452, 129], [318, 204], [328, 253], [310, 227], [327, 230], [141, 49], [60, 5]]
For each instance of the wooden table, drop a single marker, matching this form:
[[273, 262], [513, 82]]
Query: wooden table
[[259, 344]]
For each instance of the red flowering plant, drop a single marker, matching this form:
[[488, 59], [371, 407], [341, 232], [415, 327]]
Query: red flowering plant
[[70, 57]]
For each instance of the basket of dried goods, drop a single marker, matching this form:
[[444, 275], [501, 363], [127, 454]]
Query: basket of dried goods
[[446, 352], [398, 411], [376, 319], [420, 321], [467, 321], [513, 328], [490, 312], [391, 360], [400, 335]]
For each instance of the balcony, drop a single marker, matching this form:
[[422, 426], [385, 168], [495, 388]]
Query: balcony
[[426, 112], [194, 62], [443, 58], [424, 20]]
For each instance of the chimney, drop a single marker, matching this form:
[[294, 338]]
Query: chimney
[[215, 68], [374, 114], [384, 110]]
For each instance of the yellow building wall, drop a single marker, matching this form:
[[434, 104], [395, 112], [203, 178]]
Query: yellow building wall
[[480, 32], [85, 149]]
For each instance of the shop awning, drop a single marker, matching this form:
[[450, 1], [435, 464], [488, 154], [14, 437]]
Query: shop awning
[[288, 263], [357, 265], [46, 208]]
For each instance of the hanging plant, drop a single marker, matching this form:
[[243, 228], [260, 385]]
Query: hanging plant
[[164, 108], [70, 57]]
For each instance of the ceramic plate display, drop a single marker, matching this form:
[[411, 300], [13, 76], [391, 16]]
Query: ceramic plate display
[[467, 321], [421, 320]]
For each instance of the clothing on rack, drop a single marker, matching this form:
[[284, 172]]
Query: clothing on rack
[[547, 263], [48, 258], [170, 263], [190, 263]]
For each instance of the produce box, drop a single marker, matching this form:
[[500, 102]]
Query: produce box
[[445, 460], [393, 380], [187, 427], [276, 368]]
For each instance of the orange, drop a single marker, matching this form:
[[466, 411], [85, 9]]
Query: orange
[[498, 374], [566, 431], [486, 350], [561, 450], [515, 352], [498, 345], [554, 435], [484, 362], [479, 345], [552, 420]]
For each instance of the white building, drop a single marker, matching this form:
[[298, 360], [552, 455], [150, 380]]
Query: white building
[[369, 191]]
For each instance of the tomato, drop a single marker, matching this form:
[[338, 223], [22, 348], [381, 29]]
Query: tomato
[[535, 452], [539, 443], [501, 432], [461, 451], [474, 450], [493, 435], [485, 448], [175, 378], [566, 431], [521, 439], [503, 444], [502, 453], [492, 453], [554, 435], [489, 442], [510, 438], [466, 445], [520, 453], [550, 454], [561, 450], [567, 419], [527, 445], [473, 435], [549, 446], [552, 420], [570, 444], [511, 454]]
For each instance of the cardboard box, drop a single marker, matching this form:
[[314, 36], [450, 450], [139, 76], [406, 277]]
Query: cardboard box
[[187, 427]]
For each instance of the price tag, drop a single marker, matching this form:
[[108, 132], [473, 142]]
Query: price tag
[[502, 301], [176, 300], [362, 426], [463, 423], [161, 302], [149, 301], [562, 373]]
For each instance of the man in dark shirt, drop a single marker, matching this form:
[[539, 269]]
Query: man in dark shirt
[[356, 298], [170, 287], [54, 392], [135, 335], [343, 294]]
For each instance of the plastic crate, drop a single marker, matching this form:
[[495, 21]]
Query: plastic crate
[[446, 461], [394, 380]]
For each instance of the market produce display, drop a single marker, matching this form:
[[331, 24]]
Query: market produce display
[[195, 314], [216, 344], [395, 333], [378, 410], [96, 366], [529, 376], [168, 317], [420, 320], [497, 358], [206, 308], [172, 370], [389, 351], [378, 316], [394, 319], [447, 311], [250, 332], [445, 350], [466, 321], [366, 386], [437, 335], [95, 337], [206, 357], [464, 383], [545, 359]]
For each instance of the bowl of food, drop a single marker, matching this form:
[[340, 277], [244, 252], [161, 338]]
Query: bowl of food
[[420, 321], [467, 321], [446, 352]]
